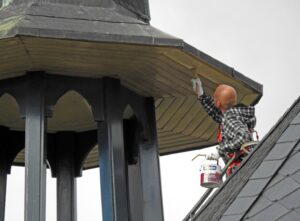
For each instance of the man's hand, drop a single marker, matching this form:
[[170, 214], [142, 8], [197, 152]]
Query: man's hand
[[197, 87], [212, 156]]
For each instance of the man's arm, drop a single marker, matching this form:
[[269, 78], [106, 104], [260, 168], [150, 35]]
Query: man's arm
[[209, 106], [207, 101]]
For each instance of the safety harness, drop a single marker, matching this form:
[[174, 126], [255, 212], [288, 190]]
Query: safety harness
[[239, 155]]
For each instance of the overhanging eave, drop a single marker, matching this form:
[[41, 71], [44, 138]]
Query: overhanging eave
[[146, 60]]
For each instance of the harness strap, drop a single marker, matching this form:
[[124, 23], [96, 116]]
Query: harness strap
[[220, 136], [245, 149]]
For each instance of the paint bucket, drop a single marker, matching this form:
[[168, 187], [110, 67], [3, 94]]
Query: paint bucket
[[210, 174]]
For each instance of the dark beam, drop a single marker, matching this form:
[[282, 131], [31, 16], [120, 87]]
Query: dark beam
[[35, 150], [85, 142], [11, 143], [112, 159], [132, 140], [3, 180], [150, 169], [66, 181], [66, 152], [3, 170]]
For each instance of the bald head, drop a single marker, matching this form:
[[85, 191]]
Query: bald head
[[225, 97]]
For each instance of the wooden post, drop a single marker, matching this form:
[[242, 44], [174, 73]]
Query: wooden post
[[112, 159], [35, 150]]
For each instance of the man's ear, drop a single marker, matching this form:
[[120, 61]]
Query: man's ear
[[218, 103]]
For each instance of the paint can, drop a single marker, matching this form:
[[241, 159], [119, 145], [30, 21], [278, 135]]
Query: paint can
[[210, 174]]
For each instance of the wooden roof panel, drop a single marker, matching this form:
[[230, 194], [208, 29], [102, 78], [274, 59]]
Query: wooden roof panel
[[180, 113], [172, 110]]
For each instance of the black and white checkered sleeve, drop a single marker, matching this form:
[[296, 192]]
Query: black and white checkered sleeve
[[209, 106]]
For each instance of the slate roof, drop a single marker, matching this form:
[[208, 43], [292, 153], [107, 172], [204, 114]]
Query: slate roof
[[267, 185]]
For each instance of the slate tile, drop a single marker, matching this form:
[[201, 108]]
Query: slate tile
[[239, 205], [260, 205], [297, 210], [231, 218], [253, 187], [281, 189], [278, 178], [292, 200], [292, 165], [271, 213], [297, 148], [292, 133], [295, 151], [280, 151], [266, 169], [296, 176], [296, 119], [291, 216]]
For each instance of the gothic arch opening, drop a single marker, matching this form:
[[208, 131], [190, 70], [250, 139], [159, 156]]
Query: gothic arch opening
[[10, 113], [72, 112]]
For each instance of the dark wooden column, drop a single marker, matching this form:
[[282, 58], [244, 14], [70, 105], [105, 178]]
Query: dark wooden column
[[132, 138], [150, 169], [3, 178], [35, 149], [11, 143], [3, 171], [65, 172], [112, 159], [66, 152]]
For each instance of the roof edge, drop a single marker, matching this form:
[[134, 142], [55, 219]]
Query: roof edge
[[224, 68]]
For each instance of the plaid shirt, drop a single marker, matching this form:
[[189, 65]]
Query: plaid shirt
[[236, 124]]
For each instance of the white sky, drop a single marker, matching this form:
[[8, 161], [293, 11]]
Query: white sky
[[259, 38]]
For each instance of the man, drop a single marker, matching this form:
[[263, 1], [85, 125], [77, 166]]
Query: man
[[236, 121]]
